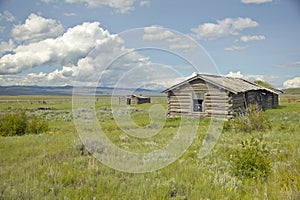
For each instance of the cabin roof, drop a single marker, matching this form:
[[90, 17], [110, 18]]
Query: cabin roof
[[137, 96], [234, 85], [140, 96]]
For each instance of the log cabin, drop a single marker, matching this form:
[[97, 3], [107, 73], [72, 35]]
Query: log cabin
[[134, 99], [205, 95]]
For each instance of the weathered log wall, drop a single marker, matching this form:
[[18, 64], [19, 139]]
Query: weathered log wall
[[138, 100], [134, 100], [262, 99], [216, 102]]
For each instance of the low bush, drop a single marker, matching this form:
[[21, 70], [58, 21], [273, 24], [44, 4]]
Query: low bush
[[36, 125], [254, 119], [18, 123], [13, 124], [252, 159]]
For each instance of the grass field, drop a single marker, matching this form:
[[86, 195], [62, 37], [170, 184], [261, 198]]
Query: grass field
[[55, 166]]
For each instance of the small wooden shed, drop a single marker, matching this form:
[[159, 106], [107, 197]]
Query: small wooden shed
[[216, 96], [134, 99]]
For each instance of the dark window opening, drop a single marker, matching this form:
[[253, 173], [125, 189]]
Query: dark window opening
[[197, 105]]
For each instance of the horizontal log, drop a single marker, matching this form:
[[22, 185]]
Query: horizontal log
[[201, 88], [198, 84], [216, 101], [179, 107], [218, 97], [238, 99], [179, 104], [179, 100], [218, 115], [180, 110], [223, 94], [182, 98], [218, 107], [220, 112], [182, 95], [238, 102]]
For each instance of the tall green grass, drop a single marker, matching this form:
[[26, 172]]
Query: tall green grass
[[52, 166]]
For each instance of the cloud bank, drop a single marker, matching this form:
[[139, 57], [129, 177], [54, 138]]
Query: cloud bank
[[292, 83], [225, 27], [81, 54], [36, 28], [252, 38]]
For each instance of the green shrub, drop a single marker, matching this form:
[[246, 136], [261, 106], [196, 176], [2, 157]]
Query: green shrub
[[18, 123], [253, 119], [37, 125], [252, 159], [13, 124]]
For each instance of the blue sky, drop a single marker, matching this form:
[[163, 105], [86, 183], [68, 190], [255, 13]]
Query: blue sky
[[51, 42]]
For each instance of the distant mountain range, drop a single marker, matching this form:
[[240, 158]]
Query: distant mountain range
[[68, 90]]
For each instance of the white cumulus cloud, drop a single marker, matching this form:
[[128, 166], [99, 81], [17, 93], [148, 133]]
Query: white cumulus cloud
[[253, 77], [248, 38], [74, 44], [235, 74], [83, 54], [225, 27], [157, 33], [292, 83], [174, 41], [6, 46], [255, 1], [36, 28], [236, 48], [274, 80], [144, 3]]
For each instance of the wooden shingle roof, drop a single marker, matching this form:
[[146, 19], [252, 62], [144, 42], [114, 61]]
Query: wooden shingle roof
[[234, 85]]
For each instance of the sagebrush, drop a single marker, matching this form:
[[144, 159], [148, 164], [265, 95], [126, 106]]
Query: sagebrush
[[18, 123], [252, 159], [254, 119]]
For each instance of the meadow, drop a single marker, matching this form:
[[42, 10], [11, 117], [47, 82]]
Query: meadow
[[55, 164]]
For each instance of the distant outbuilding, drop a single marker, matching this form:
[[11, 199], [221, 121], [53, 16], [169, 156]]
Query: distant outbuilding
[[205, 95], [134, 99], [44, 108]]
